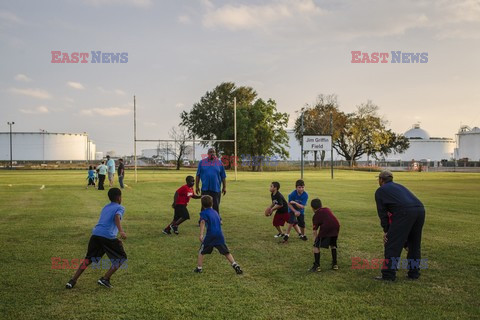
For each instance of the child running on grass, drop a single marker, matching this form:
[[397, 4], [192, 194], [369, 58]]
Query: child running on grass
[[104, 240], [180, 201], [214, 237], [91, 177], [324, 219], [280, 207]]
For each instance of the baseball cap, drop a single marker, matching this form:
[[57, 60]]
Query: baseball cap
[[385, 174]]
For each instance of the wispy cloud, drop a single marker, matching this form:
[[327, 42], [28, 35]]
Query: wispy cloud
[[22, 78], [8, 18], [347, 20], [37, 110], [243, 17], [184, 19], [34, 93], [132, 3], [75, 85], [114, 91], [106, 112]]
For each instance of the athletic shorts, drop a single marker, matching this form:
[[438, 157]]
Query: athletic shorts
[[279, 219], [98, 246], [325, 242], [222, 248], [91, 181], [181, 211], [300, 220], [110, 175]]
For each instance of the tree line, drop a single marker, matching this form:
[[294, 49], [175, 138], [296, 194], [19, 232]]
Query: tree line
[[261, 128]]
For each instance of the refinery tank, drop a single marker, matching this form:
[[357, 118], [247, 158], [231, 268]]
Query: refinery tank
[[424, 147], [47, 146], [469, 143]]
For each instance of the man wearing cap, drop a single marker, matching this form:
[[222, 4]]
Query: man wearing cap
[[407, 218]]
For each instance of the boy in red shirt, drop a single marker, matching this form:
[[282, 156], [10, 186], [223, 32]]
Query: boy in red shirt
[[324, 219], [180, 200]]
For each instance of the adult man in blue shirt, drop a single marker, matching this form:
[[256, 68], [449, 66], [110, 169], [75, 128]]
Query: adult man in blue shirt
[[111, 170], [407, 219], [212, 173]]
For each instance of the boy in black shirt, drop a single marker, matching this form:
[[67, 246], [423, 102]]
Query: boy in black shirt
[[279, 204]]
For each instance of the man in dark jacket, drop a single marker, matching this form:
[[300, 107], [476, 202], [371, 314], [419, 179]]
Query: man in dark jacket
[[407, 218]]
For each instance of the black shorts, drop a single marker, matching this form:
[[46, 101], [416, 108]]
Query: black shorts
[[98, 246], [222, 248], [292, 219], [91, 181], [325, 242], [181, 211], [300, 220]]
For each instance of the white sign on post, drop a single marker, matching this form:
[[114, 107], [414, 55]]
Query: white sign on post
[[317, 143]]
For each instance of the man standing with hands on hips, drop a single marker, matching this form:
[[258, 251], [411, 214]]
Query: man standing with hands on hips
[[212, 174], [407, 219]]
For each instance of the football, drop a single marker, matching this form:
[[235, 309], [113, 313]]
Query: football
[[268, 211]]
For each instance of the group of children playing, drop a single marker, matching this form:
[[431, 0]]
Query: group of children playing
[[104, 236], [293, 213]]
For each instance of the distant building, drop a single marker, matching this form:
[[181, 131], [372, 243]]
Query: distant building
[[468, 143], [424, 147], [47, 146]]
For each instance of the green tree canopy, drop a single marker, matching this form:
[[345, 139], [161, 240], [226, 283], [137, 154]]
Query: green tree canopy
[[260, 127], [354, 134]]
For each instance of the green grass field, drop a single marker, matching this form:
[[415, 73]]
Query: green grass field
[[38, 224]]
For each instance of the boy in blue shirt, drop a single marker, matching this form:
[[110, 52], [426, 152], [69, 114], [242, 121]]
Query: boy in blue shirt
[[297, 200], [214, 237], [104, 240]]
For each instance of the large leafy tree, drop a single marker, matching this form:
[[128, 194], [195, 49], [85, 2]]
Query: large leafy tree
[[263, 132], [212, 117], [316, 120], [354, 134], [365, 132], [260, 127]]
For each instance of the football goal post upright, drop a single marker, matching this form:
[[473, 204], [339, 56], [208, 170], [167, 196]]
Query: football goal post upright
[[193, 140]]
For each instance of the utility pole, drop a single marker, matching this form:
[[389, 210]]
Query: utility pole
[[135, 136], [301, 145], [11, 154], [331, 148], [235, 135]]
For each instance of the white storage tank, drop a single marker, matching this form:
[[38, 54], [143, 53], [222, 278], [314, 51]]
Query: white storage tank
[[46, 146], [469, 143], [422, 146]]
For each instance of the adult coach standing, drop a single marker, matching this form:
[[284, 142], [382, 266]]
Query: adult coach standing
[[212, 173], [405, 228], [111, 170]]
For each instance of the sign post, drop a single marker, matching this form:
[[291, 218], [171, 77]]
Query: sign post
[[317, 143]]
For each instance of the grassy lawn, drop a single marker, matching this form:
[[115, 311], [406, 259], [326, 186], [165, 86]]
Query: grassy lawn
[[158, 283]]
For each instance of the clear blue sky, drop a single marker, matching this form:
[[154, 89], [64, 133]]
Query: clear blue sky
[[289, 51]]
